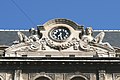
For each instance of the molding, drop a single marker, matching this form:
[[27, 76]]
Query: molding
[[42, 60], [12, 30], [28, 30], [106, 30]]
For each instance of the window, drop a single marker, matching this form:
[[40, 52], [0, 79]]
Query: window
[[78, 78], [42, 78]]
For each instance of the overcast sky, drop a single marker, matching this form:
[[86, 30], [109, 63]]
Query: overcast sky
[[24, 14]]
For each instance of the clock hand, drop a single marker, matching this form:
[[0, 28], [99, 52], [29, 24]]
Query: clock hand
[[60, 36]]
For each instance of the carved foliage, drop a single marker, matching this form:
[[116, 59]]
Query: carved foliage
[[69, 44]]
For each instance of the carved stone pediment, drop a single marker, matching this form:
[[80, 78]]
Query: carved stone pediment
[[59, 35]]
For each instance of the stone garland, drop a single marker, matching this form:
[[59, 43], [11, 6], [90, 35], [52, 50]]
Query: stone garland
[[62, 46]]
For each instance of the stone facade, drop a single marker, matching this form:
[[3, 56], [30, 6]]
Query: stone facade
[[60, 50], [52, 69]]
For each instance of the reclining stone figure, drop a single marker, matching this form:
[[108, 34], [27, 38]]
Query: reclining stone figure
[[88, 42], [32, 40]]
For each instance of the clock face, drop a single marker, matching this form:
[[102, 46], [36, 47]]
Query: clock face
[[60, 33]]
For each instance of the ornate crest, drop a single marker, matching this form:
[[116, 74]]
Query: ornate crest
[[61, 35]]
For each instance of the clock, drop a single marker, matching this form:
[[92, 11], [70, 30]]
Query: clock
[[60, 33]]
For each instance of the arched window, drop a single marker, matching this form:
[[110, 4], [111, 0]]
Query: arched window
[[78, 78], [42, 78]]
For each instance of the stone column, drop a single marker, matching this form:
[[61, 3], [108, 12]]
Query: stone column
[[58, 76], [101, 74], [17, 75]]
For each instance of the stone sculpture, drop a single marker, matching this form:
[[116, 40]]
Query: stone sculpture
[[73, 41], [88, 41]]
